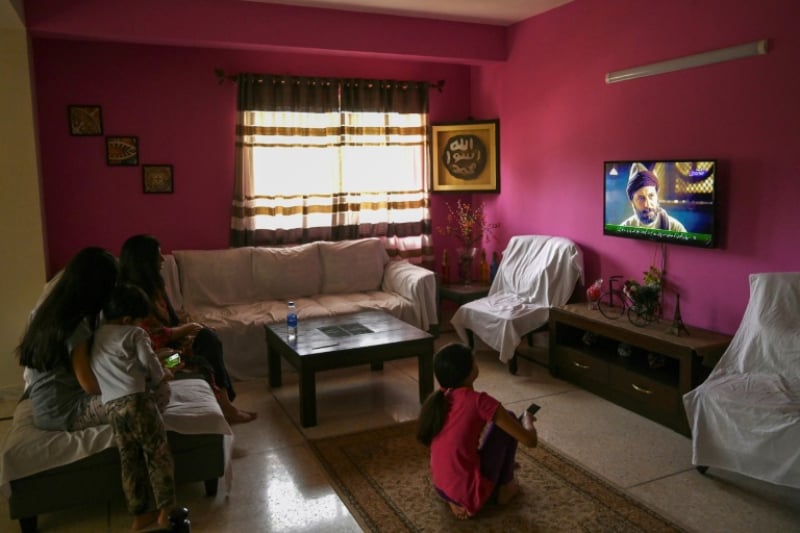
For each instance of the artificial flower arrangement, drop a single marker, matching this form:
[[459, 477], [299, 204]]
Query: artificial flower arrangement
[[468, 224], [648, 294]]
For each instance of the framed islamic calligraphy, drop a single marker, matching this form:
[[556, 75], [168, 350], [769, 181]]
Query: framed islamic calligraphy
[[465, 156]]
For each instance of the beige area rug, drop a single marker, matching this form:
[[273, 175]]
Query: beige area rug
[[382, 476]]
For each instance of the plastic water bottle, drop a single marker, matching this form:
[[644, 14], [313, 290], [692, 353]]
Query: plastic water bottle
[[291, 322]]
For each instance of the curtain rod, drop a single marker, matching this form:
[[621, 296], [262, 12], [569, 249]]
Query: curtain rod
[[222, 78]]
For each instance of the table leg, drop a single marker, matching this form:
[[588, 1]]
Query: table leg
[[308, 398], [425, 374], [274, 363]]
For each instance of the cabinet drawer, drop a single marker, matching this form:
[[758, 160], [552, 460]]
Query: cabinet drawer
[[579, 367], [647, 393]]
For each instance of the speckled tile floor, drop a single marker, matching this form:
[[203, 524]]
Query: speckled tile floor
[[278, 486]]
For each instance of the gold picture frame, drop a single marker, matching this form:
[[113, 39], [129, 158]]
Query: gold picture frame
[[85, 120], [465, 156], [157, 179]]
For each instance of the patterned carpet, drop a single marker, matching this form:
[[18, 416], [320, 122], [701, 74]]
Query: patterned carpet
[[382, 476]]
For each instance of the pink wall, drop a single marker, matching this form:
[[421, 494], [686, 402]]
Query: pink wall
[[169, 98], [560, 121], [254, 25]]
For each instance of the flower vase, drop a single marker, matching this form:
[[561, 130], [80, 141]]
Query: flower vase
[[466, 257]]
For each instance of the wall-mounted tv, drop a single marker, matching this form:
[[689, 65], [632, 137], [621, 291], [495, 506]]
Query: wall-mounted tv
[[672, 201]]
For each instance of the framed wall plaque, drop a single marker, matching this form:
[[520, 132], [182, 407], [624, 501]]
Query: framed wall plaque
[[122, 151], [466, 156], [85, 120], [157, 179]]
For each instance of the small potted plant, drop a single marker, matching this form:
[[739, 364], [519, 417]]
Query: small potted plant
[[646, 297]]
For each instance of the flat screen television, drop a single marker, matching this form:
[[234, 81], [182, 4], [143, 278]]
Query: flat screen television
[[670, 201]]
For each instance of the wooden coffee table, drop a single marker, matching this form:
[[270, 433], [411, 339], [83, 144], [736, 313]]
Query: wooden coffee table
[[326, 343]]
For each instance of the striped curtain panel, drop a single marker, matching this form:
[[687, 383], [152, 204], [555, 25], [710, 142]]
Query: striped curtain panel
[[332, 159]]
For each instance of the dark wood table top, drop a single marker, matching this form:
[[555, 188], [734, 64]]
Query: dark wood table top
[[352, 331]]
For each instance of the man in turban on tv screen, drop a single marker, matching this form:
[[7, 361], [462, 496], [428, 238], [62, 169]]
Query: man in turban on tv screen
[[642, 192]]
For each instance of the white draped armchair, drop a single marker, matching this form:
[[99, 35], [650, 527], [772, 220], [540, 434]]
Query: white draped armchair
[[746, 416], [536, 272]]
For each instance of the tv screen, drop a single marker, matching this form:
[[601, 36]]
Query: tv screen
[[672, 201]]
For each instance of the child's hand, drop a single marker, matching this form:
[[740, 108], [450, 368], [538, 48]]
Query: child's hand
[[528, 420], [163, 353]]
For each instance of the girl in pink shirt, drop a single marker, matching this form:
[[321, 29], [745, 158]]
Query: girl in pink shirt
[[473, 439]]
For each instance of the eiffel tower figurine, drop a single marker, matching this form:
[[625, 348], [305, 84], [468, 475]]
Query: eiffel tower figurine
[[677, 328]]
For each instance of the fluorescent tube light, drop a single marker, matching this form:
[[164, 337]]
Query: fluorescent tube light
[[696, 60]]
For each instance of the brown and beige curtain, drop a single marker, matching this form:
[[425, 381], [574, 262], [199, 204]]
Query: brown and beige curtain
[[332, 159]]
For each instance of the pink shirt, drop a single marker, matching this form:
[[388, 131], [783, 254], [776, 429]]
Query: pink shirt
[[455, 463]]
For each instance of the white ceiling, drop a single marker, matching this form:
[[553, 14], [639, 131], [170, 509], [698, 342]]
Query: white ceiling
[[496, 12]]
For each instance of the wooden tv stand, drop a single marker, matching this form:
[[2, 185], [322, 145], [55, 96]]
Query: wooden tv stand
[[630, 381]]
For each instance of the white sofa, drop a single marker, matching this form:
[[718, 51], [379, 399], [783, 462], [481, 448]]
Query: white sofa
[[238, 290]]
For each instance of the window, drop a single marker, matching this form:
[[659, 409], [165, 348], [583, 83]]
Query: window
[[318, 163]]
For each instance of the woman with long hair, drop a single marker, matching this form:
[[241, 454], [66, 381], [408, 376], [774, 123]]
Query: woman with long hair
[[473, 438], [56, 345], [199, 346]]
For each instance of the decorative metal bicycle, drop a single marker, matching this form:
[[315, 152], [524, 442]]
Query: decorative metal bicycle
[[616, 302]]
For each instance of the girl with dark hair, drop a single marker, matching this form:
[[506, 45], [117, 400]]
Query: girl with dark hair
[[56, 345], [135, 391], [473, 439], [200, 348]]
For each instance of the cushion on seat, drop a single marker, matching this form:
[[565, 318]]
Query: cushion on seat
[[352, 266], [286, 273], [218, 277]]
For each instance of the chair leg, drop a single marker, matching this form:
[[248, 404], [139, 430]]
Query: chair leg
[[28, 524], [470, 339], [211, 486], [512, 365]]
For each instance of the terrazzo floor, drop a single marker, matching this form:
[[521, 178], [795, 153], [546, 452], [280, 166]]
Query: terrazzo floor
[[278, 486]]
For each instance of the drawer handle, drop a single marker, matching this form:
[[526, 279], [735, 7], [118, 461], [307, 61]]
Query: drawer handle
[[579, 365], [641, 389]]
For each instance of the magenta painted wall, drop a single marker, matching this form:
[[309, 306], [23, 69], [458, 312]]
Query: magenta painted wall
[[168, 97], [560, 121], [255, 25]]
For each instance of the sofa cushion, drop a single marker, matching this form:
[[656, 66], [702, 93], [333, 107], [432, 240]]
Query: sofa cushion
[[352, 266], [286, 273], [218, 277]]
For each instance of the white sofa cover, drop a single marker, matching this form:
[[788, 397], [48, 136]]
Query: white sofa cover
[[537, 272], [746, 416], [236, 291]]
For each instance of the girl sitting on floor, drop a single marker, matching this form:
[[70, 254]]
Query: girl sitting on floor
[[473, 439]]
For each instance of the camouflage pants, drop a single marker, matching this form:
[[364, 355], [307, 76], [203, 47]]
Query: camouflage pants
[[93, 414], [145, 458]]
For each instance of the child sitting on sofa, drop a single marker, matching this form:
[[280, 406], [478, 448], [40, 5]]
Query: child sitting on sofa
[[134, 391], [473, 438]]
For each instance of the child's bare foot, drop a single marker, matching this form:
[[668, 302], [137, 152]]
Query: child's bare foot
[[506, 493], [460, 512], [240, 417], [163, 518], [141, 521]]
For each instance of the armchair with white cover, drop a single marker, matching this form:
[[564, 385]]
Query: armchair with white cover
[[745, 417], [535, 273]]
